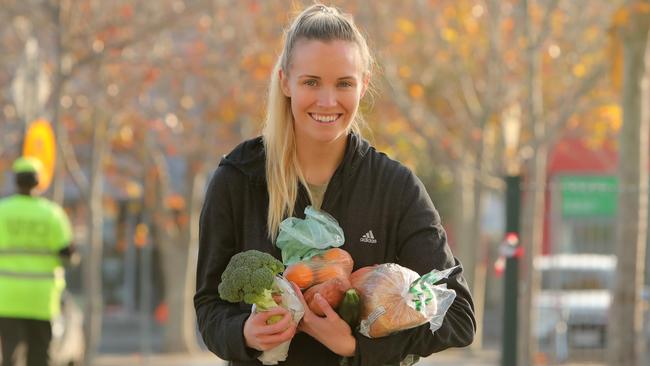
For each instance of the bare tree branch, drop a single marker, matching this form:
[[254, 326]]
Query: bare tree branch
[[567, 109], [469, 93], [408, 107], [142, 35], [546, 24]]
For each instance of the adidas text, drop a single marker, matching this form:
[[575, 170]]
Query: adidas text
[[368, 238]]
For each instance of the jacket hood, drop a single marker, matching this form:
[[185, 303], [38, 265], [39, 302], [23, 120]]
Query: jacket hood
[[249, 156]]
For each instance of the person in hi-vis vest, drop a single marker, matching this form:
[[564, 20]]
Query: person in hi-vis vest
[[35, 241]]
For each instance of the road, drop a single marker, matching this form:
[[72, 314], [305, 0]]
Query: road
[[447, 358]]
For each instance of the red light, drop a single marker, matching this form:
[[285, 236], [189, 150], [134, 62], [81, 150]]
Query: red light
[[512, 238]]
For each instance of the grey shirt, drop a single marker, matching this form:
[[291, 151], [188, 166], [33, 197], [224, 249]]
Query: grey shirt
[[317, 194]]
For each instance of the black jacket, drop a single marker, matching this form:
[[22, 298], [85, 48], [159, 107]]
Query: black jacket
[[368, 192]]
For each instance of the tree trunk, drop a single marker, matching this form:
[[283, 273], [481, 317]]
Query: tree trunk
[[194, 209], [531, 240], [93, 262], [533, 202], [464, 219], [479, 245], [180, 335], [625, 338], [57, 87], [177, 338], [484, 157]]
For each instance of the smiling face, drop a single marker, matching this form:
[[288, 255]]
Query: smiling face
[[325, 82]]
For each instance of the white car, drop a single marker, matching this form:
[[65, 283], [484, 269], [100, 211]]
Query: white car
[[573, 304]]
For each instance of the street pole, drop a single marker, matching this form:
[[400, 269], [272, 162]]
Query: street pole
[[511, 250]]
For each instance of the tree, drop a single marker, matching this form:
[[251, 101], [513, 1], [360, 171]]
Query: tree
[[625, 340], [88, 38], [549, 108], [208, 103]]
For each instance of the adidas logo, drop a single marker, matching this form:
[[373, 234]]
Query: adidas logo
[[368, 238]]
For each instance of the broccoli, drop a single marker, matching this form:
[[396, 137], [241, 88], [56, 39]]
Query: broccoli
[[250, 277]]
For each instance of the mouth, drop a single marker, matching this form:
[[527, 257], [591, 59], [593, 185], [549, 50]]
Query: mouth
[[325, 118]]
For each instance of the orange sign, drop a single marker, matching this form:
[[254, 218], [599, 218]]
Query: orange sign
[[40, 144]]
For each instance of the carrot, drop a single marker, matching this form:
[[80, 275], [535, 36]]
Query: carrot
[[301, 274], [329, 271], [339, 256], [332, 263]]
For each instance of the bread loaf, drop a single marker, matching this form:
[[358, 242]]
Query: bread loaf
[[384, 291]]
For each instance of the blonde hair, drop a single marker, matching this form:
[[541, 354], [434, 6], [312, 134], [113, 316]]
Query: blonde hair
[[283, 174]]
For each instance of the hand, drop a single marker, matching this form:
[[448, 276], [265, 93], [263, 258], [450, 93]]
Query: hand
[[330, 330], [262, 336]]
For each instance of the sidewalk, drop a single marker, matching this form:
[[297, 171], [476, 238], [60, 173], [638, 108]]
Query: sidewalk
[[202, 359], [446, 358], [463, 357]]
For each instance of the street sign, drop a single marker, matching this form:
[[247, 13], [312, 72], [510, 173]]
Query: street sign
[[40, 144], [589, 195]]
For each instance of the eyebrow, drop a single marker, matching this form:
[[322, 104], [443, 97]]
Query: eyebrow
[[318, 77]]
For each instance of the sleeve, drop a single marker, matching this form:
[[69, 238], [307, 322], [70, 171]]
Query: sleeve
[[422, 247], [61, 228], [220, 322]]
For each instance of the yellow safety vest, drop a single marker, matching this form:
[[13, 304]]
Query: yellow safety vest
[[32, 232]]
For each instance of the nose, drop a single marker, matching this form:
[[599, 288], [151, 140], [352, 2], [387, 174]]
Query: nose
[[326, 98]]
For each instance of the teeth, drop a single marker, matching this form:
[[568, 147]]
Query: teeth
[[324, 118]]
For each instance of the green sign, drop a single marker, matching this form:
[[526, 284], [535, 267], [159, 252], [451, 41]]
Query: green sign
[[589, 196]]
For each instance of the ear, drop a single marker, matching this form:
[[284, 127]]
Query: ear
[[284, 83]]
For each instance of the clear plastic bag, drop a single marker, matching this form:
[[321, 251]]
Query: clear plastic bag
[[291, 302], [302, 239], [396, 298], [331, 263]]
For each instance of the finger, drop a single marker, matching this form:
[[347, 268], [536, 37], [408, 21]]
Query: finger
[[325, 306], [263, 316], [278, 327], [276, 339]]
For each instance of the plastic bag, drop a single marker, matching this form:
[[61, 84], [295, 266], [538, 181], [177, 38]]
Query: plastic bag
[[396, 298], [291, 302], [302, 239], [331, 263]]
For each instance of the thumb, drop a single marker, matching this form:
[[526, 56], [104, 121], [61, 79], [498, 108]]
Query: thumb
[[263, 316], [325, 306]]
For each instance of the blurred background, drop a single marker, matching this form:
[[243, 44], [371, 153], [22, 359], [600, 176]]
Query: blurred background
[[527, 120]]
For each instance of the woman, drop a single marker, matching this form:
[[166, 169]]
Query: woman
[[311, 153]]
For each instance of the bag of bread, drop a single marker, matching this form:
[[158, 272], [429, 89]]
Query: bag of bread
[[395, 298]]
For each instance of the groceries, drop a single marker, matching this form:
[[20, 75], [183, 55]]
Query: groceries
[[381, 299], [253, 277], [395, 298]]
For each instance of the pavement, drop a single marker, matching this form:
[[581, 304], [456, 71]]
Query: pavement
[[446, 358], [128, 341]]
